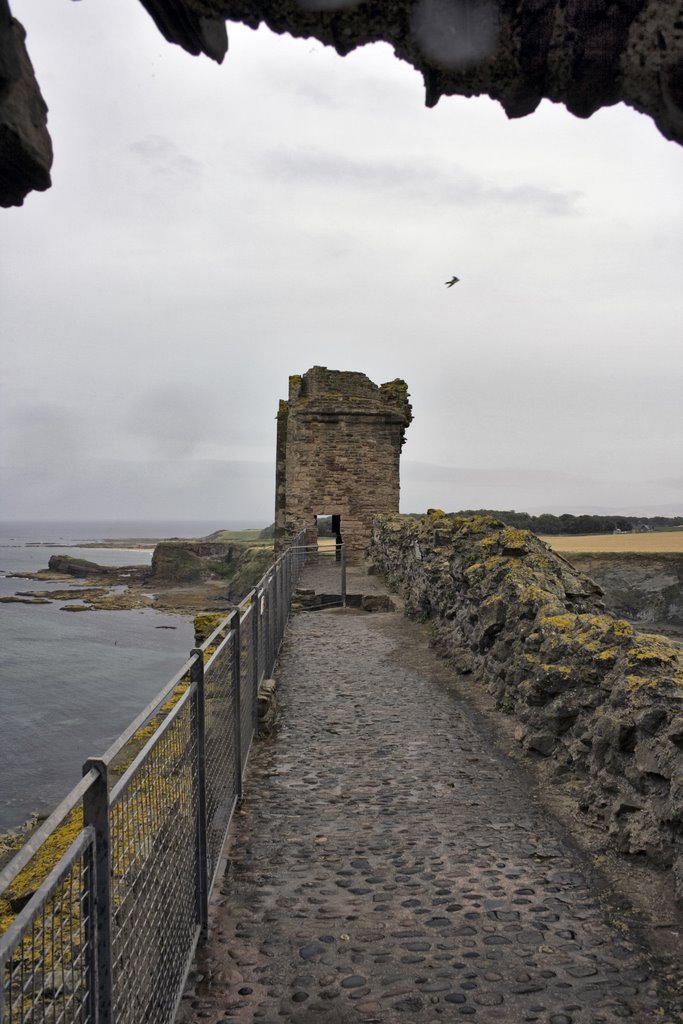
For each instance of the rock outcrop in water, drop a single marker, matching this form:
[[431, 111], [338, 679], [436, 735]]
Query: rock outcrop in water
[[81, 568], [603, 701], [183, 562], [185, 576]]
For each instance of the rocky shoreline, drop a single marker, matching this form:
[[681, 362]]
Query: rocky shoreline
[[115, 591], [186, 577]]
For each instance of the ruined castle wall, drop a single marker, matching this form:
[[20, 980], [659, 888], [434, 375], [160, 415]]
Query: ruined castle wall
[[338, 451], [603, 702]]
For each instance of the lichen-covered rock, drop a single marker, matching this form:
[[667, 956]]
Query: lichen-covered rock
[[79, 567], [204, 625], [267, 707], [183, 562], [604, 701], [177, 563]]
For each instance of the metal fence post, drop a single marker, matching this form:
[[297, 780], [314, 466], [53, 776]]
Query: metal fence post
[[282, 603], [197, 677], [343, 575], [254, 656], [278, 605], [272, 619], [266, 631], [237, 700], [96, 814]]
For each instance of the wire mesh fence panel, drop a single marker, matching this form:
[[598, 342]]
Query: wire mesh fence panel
[[154, 872], [271, 624], [158, 887], [246, 685], [221, 791], [46, 954]]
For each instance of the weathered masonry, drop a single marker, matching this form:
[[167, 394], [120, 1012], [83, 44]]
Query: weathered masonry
[[339, 439]]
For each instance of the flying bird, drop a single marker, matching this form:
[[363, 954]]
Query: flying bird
[[453, 280]]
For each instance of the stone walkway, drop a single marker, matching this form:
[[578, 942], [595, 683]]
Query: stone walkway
[[389, 866]]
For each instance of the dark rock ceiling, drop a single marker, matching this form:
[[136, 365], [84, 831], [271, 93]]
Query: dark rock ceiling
[[586, 54]]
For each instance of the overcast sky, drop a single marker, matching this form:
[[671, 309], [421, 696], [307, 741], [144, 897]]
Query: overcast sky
[[213, 229]]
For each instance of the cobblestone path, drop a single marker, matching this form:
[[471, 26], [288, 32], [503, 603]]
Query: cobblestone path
[[388, 866]]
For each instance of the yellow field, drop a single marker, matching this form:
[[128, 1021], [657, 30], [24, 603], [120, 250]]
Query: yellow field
[[667, 541]]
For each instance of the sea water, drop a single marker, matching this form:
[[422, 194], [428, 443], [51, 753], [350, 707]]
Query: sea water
[[71, 682]]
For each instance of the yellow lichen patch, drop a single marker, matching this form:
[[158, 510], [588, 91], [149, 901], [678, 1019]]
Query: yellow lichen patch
[[493, 562], [562, 669], [533, 592], [469, 526], [622, 628], [649, 649], [608, 655], [565, 623], [436, 513], [37, 870], [637, 681], [205, 623], [514, 539]]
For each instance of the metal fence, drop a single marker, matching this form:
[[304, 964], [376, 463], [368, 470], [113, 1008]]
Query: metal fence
[[109, 935]]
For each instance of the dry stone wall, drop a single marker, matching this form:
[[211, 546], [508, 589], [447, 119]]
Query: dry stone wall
[[603, 701], [338, 450]]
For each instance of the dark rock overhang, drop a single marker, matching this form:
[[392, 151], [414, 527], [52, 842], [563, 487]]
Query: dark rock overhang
[[586, 54]]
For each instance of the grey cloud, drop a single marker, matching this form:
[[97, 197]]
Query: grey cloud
[[675, 483], [426, 471], [173, 419], [152, 489], [164, 157], [527, 490], [39, 435], [426, 182]]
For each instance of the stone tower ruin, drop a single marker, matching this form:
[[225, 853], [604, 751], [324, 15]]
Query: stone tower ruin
[[339, 439]]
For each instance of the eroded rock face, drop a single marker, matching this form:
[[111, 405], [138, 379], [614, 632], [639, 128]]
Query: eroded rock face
[[179, 562], [25, 146], [605, 702], [642, 588], [586, 54], [581, 53]]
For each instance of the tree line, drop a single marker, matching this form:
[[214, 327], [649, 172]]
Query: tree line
[[567, 523]]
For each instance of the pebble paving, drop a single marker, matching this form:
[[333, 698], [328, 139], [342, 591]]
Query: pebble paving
[[389, 866]]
